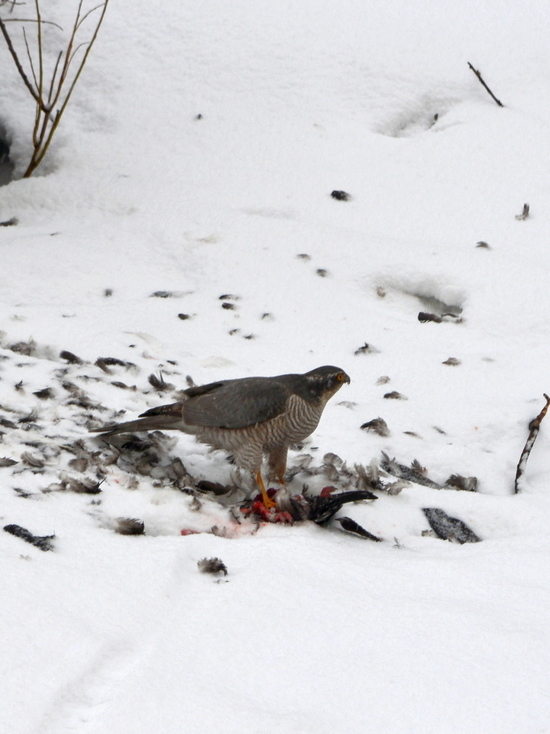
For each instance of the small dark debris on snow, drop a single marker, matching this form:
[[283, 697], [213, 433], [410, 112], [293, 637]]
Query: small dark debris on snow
[[449, 528], [228, 297], [456, 481], [394, 395], [4, 461], [377, 425], [353, 527], [249, 336], [103, 362], [340, 195], [424, 317], [25, 348], [303, 256], [483, 245], [383, 380], [228, 306], [439, 430], [321, 272], [44, 542], [183, 316], [9, 222], [198, 117], [159, 383], [452, 362], [19, 386], [232, 332], [129, 526], [212, 565], [267, 316], [45, 394], [366, 349], [165, 294], [524, 214], [381, 292], [70, 357], [108, 292]]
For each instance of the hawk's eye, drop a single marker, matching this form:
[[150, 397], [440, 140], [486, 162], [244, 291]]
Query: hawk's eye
[[341, 376]]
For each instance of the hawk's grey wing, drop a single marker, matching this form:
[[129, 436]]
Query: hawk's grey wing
[[236, 403]]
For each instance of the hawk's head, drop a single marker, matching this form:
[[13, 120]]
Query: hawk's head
[[323, 382]]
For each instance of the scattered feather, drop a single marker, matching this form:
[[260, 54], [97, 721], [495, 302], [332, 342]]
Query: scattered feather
[[35, 462], [159, 383], [366, 349], [129, 526], [456, 481], [25, 348], [166, 294], [212, 565], [378, 426], [524, 214], [449, 528], [45, 394], [79, 464], [353, 527], [70, 357], [44, 542]]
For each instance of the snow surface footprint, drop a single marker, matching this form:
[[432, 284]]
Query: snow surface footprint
[[81, 702]]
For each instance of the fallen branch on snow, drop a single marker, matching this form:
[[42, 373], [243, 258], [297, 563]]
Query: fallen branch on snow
[[534, 428], [478, 74]]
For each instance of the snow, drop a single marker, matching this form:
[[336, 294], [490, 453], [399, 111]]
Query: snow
[[197, 157]]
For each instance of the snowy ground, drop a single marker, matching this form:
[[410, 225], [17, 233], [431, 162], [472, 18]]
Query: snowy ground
[[197, 161]]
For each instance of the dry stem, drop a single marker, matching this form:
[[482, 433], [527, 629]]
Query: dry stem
[[51, 94]]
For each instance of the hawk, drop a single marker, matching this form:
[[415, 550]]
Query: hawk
[[250, 417]]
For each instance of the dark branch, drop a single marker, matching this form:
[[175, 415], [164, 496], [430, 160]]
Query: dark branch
[[478, 74], [534, 428]]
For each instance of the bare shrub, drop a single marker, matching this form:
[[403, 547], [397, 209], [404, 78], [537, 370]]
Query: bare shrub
[[50, 84]]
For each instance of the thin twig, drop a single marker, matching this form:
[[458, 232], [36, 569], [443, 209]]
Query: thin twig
[[478, 74], [16, 61], [534, 428], [29, 56]]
